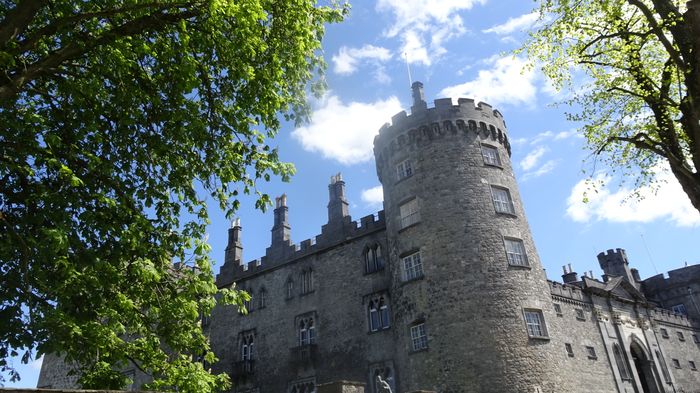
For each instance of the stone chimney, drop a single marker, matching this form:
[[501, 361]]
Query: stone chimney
[[569, 275], [337, 204], [234, 249], [281, 231]]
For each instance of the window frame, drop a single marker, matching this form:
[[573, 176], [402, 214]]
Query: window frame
[[536, 329], [580, 314], [558, 310], [679, 309], [404, 170], [621, 362], [569, 349], [676, 363], [663, 332], [590, 351], [522, 257], [415, 269], [500, 206], [487, 161], [378, 308], [306, 330], [307, 281], [412, 217], [419, 337], [373, 258]]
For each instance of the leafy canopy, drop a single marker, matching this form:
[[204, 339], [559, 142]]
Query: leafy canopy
[[114, 114], [640, 101]]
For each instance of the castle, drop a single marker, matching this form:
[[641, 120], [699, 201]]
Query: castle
[[443, 290]]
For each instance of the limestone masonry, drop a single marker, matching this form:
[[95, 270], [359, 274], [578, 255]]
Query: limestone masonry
[[443, 290]]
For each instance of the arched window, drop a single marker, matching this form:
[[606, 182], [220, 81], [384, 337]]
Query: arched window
[[374, 258], [290, 288], [379, 316], [307, 331], [248, 346], [262, 301], [307, 281], [621, 364]]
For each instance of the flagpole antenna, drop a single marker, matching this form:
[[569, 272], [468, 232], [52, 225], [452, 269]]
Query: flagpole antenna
[[408, 68]]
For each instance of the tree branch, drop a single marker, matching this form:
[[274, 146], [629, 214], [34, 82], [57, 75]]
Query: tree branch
[[17, 19], [659, 33]]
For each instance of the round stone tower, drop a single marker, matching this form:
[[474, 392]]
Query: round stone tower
[[469, 296]]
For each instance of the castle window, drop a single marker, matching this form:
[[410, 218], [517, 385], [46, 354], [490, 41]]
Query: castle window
[[680, 335], [419, 339], [515, 252], [679, 309], [502, 200], [247, 346], [409, 213], [676, 363], [290, 288], [590, 351], [490, 155], [307, 281], [379, 318], [404, 169], [248, 304], [569, 349], [303, 386], [580, 315], [262, 301], [307, 331], [664, 332], [412, 266], [535, 324], [691, 364], [621, 364], [374, 261], [557, 309]]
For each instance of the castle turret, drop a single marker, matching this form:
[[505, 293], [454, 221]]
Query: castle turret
[[615, 264], [233, 255], [468, 285]]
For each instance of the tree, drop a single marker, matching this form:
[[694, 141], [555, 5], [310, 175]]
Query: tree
[[641, 99], [120, 118]]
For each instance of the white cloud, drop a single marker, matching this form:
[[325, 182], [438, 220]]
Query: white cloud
[[567, 134], [373, 197], [425, 25], [668, 202], [532, 158], [347, 60], [345, 132], [514, 24], [504, 81], [542, 170]]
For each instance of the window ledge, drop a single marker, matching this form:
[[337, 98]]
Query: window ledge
[[413, 280], [506, 214], [493, 165], [520, 267], [375, 271], [307, 293], [386, 329], [543, 338], [593, 357], [402, 179], [570, 355], [409, 226], [581, 319]]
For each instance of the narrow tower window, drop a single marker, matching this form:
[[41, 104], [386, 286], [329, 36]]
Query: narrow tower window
[[307, 331], [374, 260], [621, 365], [515, 252], [502, 200], [307, 281], [379, 318]]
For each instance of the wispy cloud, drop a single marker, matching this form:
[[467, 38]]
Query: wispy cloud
[[543, 169], [345, 132], [373, 197], [505, 80], [532, 158], [347, 60], [518, 23], [425, 25], [668, 202]]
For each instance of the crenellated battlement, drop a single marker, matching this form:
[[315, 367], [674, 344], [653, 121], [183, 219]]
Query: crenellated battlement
[[443, 120], [668, 316], [293, 252]]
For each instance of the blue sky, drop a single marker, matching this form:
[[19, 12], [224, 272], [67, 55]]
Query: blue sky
[[459, 48]]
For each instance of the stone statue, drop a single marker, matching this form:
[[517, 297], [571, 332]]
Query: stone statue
[[382, 385]]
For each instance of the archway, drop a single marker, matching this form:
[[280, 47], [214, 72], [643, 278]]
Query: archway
[[644, 367]]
